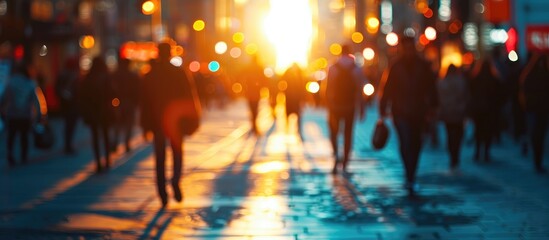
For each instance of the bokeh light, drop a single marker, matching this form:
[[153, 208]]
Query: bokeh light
[[430, 33], [312, 87], [235, 52], [251, 48], [238, 37], [194, 66], [199, 25], [513, 56], [87, 42], [357, 37], [176, 61], [368, 54], [220, 47], [392, 39], [148, 7], [335, 49], [214, 66], [368, 89], [269, 72]]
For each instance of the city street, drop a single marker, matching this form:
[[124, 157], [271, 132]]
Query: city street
[[273, 186]]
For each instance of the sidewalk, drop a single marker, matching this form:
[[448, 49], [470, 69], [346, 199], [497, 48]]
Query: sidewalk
[[239, 186]]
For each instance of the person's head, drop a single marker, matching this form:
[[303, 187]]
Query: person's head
[[164, 51], [123, 63], [407, 46], [452, 69], [98, 65], [22, 68]]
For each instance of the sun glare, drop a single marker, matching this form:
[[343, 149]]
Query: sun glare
[[289, 27]]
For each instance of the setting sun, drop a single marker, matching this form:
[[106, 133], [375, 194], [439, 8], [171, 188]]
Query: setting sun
[[289, 27]]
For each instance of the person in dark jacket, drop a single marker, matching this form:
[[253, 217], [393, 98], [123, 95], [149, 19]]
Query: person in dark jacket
[[486, 100], [453, 94], [126, 90], [20, 107], [96, 96], [163, 87], [254, 80], [343, 99], [66, 88], [409, 88], [535, 99], [295, 94]]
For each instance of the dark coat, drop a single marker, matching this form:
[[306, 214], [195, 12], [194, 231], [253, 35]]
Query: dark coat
[[96, 95]]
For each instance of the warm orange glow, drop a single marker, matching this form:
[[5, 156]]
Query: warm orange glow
[[251, 48], [148, 7], [194, 66], [41, 101], [237, 88], [372, 25], [468, 58], [282, 85], [423, 40], [455, 27], [238, 37], [87, 42], [428, 13]]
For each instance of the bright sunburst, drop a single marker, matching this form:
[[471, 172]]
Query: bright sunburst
[[289, 27]]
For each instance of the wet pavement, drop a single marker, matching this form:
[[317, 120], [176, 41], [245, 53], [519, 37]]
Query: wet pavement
[[273, 186]]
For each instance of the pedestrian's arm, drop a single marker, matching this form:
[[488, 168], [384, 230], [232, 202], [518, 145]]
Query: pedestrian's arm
[[386, 89]]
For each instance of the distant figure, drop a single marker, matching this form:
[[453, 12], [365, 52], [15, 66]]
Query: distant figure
[[343, 91], [66, 88], [485, 106], [254, 81], [535, 99], [96, 96], [295, 94], [162, 87], [409, 88], [126, 90], [20, 107], [453, 95]]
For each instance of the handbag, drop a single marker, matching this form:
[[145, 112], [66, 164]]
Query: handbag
[[43, 136], [381, 134], [181, 118]]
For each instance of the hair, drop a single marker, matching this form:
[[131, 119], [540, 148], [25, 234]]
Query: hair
[[345, 49], [21, 68]]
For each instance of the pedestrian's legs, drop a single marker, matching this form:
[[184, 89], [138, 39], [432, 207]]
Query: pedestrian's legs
[[105, 130], [348, 138], [95, 145], [128, 127], [410, 145], [177, 153], [24, 130], [253, 111], [538, 137], [160, 156], [70, 125], [333, 122], [455, 135], [12, 132]]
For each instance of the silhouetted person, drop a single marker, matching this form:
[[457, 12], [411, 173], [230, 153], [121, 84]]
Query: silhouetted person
[[254, 81], [485, 106], [343, 98], [295, 93], [162, 87], [453, 92], [408, 87], [20, 108], [66, 88], [96, 96], [126, 90], [535, 98]]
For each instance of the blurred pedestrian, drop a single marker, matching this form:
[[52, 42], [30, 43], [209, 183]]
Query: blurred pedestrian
[[295, 94], [254, 80], [96, 99], [66, 88], [535, 98], [20, 107], [170, 109], [126, 90], [453, 95], [485, 105], [343, 96], [408, 87]]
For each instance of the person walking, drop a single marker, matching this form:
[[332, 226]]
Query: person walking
[[295, 94], [96, 99], [20, 107], [453, 97], [534, 97], [126, 90], [343, 98], [254, 81], [168, 92], [408, 87], [485, 91], [66, 88]]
